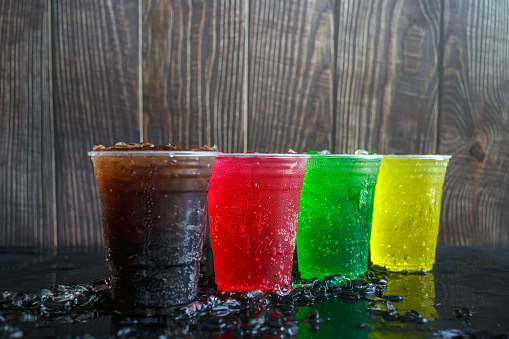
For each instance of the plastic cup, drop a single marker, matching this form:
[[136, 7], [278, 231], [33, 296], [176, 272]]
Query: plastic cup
[[407, 212], [336, 210], [253, 210], [154, 209]]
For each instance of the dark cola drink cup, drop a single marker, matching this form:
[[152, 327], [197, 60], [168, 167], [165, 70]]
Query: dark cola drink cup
[[153, 202]]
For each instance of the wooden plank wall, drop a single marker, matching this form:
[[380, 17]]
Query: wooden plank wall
[[387, 76], [474, 123], [193, 64], [290, 75], [402, 76], [27, 198], [95, 93]]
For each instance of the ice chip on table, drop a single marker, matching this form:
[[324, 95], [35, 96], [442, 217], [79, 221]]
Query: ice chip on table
[[255, 294], [324, 152], [383, 307], [258, 312], [284, 289], [290, 329], [276, 318], [335, 280], [361, 151], [193, 308], [413, 316]]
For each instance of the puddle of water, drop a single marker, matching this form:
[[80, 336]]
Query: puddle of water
[[467, 295]]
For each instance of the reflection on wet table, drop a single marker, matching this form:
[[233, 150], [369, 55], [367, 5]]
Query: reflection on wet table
[[466, 296]]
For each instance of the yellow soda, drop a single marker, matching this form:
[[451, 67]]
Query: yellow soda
[[407, 212]]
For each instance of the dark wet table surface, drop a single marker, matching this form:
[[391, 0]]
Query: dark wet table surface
[[466, 296]]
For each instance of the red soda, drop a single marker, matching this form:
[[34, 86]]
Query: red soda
[[253, 204]]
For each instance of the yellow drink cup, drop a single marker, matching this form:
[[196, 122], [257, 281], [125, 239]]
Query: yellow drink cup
[[407, 212]]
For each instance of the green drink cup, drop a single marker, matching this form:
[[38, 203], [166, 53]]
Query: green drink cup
[[336, 210]]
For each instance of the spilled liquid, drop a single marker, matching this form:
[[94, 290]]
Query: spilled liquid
[[465, 297]]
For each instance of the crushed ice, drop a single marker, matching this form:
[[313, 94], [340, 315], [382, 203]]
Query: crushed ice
[[247, 314]]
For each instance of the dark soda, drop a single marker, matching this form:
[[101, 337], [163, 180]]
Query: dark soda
[[154, 209]]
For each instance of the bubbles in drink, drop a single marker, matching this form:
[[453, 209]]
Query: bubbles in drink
[[407, 208], [154, 219], [335, 215], [253, 208]]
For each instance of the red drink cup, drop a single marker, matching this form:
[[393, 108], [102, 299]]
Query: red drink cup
[[154, 208], [253, 204]]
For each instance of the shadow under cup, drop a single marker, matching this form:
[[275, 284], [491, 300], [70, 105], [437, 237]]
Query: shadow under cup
[[407, 212], [253, 210], [154, 209]]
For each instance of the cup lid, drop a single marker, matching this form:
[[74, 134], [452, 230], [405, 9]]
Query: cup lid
[[262, 155], [154, 153], [348, 156], [419, 156]]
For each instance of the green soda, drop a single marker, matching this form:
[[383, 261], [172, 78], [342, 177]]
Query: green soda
[[336, 210]]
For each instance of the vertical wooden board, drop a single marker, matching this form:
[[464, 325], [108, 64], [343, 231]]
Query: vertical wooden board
[[95, 52], [290, 75], [26, 180], [193, 63], [387, 82], [474, 123]]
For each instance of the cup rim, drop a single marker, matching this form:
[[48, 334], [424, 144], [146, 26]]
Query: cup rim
[[419, 156], [154, 153], [349, 156], [261, 155]]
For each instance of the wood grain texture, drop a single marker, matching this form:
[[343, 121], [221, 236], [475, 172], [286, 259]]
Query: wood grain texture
[[95, 51], [193, 64], [474, 123], [290, 75], [26, 183], [387, 59]]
